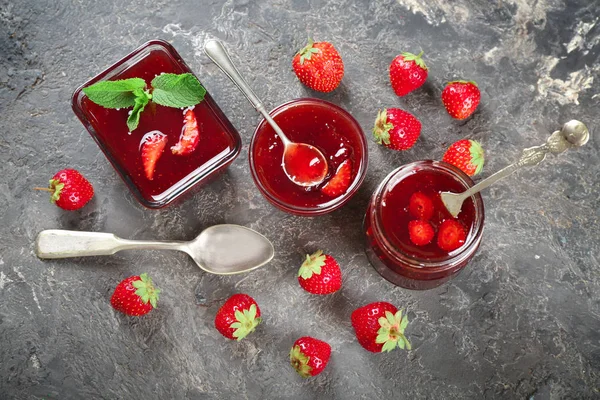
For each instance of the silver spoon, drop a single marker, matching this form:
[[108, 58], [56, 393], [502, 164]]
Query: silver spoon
[[310, 172], [221, 249], [573, 134]]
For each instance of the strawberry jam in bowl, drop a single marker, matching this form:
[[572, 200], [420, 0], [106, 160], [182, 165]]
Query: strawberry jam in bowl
[[325, 126], [159, 128], [412, 240]]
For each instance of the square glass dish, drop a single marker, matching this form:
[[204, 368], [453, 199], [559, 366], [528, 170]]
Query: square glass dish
[[173, 175]]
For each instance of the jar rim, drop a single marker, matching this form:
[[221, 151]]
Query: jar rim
[[473, 237]]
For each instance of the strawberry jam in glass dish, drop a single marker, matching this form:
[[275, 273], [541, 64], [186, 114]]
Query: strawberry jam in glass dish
[[329, 128], [412, 193], [156, 166]]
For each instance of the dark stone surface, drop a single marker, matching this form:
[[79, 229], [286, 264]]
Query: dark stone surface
[[523, 320]]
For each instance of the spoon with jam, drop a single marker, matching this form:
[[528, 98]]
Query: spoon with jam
[[304, 164]]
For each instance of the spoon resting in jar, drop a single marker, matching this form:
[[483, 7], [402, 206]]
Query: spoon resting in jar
[[573, 134], [303, 163]]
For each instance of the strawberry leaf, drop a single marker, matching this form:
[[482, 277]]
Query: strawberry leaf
[[146, 290], [391, 331], [477, 158], [416, 58], [381, 131], [312, 265], [56, 186], [300, 362], [246, 322]]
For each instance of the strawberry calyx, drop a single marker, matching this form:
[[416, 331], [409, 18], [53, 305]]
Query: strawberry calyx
[[307, 51], [299, 361], [465, 82], [416, 58], [312, 265], [56, 188], [146, 290], [391, 333], [477, 158], [381, 131], [247, 321]]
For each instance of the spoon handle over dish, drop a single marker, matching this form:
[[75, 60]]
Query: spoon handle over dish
[[216, 52], [56, 243], [573, 134]]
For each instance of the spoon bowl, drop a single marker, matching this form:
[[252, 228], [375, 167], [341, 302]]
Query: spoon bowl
[[220, 249]]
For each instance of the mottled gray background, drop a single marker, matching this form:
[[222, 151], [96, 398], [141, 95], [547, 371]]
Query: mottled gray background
[[522, 321]]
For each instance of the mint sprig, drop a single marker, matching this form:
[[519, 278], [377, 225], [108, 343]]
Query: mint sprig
[[170, 90], [173, 90], [115, 94]]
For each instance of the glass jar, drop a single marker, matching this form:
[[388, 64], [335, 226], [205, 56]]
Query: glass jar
[[400, 266]]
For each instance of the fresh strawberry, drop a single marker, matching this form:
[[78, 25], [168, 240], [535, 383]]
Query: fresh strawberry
[[420, 206], [396, 129], [135, 296], [309, 356], [69, 189], [319, 66], [451, 235], [340, 182], [461, 98], [238, 317], [320, 274], [466, 155], [190, 135], [420, 232], [153, 144], [380, 327], [407, 73]]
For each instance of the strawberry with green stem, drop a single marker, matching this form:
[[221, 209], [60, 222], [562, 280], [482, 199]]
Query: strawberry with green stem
[[380, 327], [320, 274], [396, 129], [69, 189], [238, 317], [461, 98], [309, 356], [319, 66], [467, 155], [407, 73], [135, 295]]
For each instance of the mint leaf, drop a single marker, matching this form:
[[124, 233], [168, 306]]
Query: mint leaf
[[141, 99], [114, 94], [174, 90]]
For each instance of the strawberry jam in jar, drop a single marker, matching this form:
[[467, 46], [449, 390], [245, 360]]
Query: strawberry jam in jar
[[153, 160], [411, 194], [329, 128]]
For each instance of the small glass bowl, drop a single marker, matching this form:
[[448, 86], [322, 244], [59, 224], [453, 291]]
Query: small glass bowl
[[331, 116]]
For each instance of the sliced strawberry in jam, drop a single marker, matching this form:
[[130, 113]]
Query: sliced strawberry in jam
[[190, 135], [340, 182], [451, 235], [420, 232], [152, 145], [420, 206]]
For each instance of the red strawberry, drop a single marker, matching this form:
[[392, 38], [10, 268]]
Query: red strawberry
[[309, 356], [407, 73], [461, 98], [451, 235], [319, 66], [320, 274], [340, 182], [420, 206], [69, 189], [135, 296], [238, 317], [380, 327], [190, 135], [396, 129], [153, 144], [420, 232], [466, 155]]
